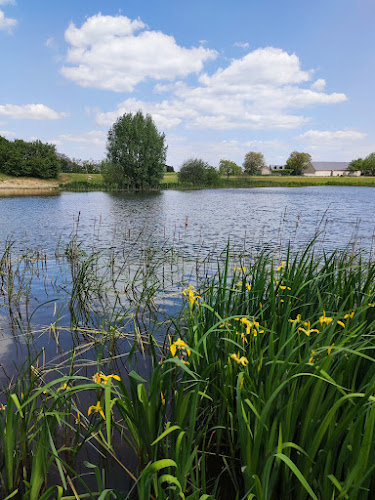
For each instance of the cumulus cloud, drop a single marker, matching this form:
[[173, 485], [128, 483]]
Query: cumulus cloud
[[117, 53], [30, 112], [262, 90], [7, 23], [332, 137]]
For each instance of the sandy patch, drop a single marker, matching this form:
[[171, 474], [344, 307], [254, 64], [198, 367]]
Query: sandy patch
[[27, 183]]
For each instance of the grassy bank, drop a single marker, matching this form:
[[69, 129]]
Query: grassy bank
[[80, 182], [262, 388], [95, 182]]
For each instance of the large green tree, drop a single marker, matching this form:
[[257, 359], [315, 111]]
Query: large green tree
[[198, 172], [135, 152], [298, 162], [369, 164], [253, 162], [228, 168]]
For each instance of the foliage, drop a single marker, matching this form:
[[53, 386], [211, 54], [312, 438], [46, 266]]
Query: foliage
[[263, 389], [253, 162], [356, 165], [75, 165], [228, 168], [135, 152], [198, 172], [298, 162], [369, 164], [35, 159]]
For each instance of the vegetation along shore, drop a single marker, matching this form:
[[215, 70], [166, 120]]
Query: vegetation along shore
[[94, 182], [260, 387]]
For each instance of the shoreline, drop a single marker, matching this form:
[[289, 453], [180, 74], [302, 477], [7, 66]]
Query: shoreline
[[26, 185]]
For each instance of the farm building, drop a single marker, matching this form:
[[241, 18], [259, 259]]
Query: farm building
[[329, 169]]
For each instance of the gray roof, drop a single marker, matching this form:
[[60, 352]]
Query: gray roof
[[330, 165]]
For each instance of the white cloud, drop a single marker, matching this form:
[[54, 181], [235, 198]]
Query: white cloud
[[94, 137], [30, 112], [7, 133], [319, 85], [261, 90], [339, 145], [7, 23], [108, 53], [268, 65], [7, 2], [334, 138], [242, 45], [166, 114]]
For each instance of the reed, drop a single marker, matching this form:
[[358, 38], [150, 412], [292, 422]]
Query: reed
[[261, 388]]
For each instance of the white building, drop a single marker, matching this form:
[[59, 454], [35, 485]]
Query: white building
[[330, 169]]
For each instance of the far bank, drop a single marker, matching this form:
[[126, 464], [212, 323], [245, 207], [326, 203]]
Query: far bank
[[82, 182]]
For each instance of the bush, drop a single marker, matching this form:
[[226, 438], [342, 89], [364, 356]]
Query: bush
[[198, 172]]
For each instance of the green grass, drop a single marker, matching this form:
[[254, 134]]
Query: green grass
[[273, 181]]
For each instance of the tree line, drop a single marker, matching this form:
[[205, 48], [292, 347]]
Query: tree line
[[136, 155], [35, 158]]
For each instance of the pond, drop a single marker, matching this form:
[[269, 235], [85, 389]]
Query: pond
[[188, 229], [194, 221]]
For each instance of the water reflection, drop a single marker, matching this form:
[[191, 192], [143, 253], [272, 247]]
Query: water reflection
[[249, 218]]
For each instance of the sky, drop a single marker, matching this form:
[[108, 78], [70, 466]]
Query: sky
[[220, 78]]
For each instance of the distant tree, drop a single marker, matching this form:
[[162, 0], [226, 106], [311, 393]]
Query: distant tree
[[198, 172], [136, 151], [369, 164], [298, 162], [21, 158], [253, 162], [212, 176], [42, 160], [355, 165], [169, 169], [228, 168]]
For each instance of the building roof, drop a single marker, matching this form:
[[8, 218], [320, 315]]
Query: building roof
[[330, 165]]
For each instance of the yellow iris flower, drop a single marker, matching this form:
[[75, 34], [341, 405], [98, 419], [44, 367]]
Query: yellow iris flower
[[239, 360], [191, 294], [96, 409], [99, 377], [180, 345], [307, 331], [297, 320], [325, 320]]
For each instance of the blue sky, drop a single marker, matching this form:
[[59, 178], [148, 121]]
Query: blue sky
[[219, 78]]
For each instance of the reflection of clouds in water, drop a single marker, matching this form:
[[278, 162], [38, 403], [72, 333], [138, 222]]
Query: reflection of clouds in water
[[265, 216]]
